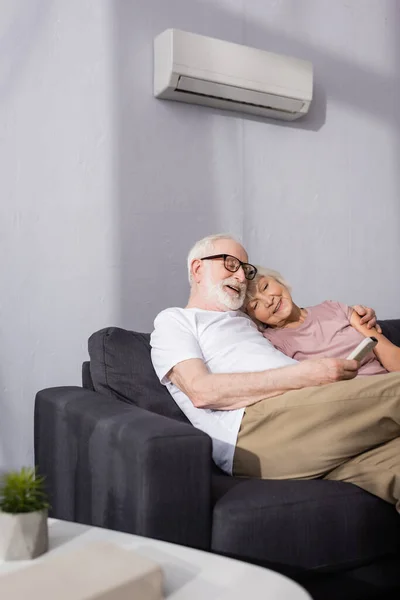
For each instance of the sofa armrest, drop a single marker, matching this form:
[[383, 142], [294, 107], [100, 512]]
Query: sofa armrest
[[115, 465], [391, 329]]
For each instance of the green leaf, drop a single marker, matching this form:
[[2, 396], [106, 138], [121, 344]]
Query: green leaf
[[22, 491]]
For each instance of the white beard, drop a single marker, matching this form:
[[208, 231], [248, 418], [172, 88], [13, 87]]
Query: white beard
[[216, 293]]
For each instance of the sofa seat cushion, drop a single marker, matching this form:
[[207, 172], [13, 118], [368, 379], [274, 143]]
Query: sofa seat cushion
[[299, 526], [120, 366]]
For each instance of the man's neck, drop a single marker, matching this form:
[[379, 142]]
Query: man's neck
[[198, 301]]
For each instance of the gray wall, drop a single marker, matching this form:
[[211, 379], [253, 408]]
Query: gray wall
[[104, 189]]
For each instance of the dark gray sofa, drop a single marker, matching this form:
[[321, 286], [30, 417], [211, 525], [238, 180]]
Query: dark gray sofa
[[118, 453]]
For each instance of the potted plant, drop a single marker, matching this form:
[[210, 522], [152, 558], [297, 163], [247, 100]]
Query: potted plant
[[23, 515]]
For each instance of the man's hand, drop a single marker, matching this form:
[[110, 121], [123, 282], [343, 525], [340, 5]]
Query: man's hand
[[368, 317], [327, 370]]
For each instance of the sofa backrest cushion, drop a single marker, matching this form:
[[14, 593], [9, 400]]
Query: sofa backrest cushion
[[120, 366], [391, 329]]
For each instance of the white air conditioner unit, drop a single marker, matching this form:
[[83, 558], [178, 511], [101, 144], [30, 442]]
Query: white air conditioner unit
[[203, 70]]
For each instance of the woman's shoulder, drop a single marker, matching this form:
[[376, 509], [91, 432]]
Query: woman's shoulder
[[272, 334], [331, 308]]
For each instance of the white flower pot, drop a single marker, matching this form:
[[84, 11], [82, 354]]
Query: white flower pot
[[24, 535]]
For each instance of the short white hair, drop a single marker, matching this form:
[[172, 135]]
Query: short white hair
[[204, 248], [264, 272]]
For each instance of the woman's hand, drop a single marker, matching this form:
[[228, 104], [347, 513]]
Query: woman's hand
[[368, 317], [387, 353]]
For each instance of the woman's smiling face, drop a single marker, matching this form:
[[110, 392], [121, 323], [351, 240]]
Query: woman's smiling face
[[270, 302]]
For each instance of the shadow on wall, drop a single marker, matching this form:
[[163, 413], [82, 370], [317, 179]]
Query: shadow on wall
[[371, 93], [169, 157], [174, 164]]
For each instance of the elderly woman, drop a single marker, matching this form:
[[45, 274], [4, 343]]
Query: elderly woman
[[330, 329]]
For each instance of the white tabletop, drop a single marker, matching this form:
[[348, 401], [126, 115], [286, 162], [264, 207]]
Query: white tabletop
[[188, 574]]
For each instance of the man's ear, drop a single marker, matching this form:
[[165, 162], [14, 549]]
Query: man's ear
[[196, 269]]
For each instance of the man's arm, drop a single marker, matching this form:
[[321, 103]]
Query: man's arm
[[387, 353], [228, 391]]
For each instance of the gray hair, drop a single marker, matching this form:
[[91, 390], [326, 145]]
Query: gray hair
[[205, 247], [263, 272]]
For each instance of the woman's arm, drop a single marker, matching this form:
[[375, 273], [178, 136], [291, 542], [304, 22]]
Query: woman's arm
[[368, 316], [387, 353]]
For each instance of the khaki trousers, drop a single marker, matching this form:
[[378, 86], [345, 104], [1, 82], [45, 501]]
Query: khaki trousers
[[347, 431]]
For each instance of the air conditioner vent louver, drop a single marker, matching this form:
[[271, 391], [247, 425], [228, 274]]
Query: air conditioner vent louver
[[237, 103]]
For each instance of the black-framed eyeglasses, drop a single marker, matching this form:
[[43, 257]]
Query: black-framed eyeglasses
[[233, 264]]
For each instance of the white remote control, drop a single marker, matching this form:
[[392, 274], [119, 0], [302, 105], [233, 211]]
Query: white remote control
[[363, 348]]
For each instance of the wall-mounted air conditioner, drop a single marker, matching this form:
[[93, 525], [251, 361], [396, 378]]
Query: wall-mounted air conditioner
[[203, 70]]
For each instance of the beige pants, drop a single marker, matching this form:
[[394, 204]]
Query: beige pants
[[348, 431]]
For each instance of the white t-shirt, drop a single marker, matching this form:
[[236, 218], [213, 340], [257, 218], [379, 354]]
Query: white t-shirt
[[227, 342]]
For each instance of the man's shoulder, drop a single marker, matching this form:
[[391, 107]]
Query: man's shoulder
[[171, 311], [170, 324], [174, 313]]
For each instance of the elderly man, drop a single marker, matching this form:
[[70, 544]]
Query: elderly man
[[269, 416]]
